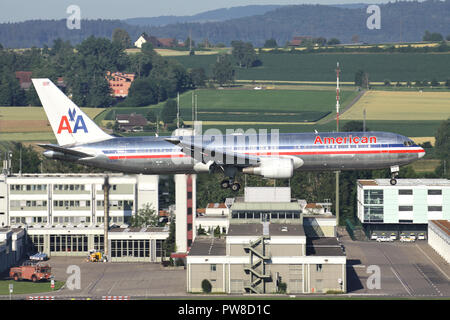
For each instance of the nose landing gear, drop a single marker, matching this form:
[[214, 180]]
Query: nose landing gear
[[394, 175]]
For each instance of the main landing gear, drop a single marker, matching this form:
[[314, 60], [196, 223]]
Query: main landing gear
[[394, 174], [230, 172]]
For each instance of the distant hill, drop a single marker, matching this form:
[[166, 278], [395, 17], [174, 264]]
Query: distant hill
[[400, 21], [208, 16]]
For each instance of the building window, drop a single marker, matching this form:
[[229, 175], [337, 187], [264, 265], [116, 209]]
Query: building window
[[434, 208], [405, 192], [213, 267], [373, 214], [319, 267], [373, 196], [434, 192], [405, 208]]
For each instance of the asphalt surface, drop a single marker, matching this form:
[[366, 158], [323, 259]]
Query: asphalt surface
[[406, 269]]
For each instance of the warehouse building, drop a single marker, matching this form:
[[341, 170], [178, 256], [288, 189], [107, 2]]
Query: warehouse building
[[403, 209], [439, 237], [265, 250]]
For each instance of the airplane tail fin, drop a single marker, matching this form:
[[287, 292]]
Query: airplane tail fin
[[70, 125]]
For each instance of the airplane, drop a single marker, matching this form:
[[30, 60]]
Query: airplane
[[81, 141]]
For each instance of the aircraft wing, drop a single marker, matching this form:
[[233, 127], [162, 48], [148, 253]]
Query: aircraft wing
[[220, 157], [65, 150]]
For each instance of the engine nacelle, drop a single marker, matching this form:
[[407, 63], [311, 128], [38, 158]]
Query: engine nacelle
[[280, 168]]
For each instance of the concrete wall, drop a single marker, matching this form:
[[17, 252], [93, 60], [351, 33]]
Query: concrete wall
[[325, 277], [200, 272], [439, 241]]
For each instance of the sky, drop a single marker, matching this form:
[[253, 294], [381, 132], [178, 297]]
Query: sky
[[21, 10]]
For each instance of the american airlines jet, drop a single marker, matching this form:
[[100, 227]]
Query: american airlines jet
[[272, 155]]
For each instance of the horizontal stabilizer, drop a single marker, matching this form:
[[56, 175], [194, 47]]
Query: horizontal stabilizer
[[65, 150]]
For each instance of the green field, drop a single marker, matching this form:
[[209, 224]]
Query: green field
[[28, 287], [320, 67], [245, 106]]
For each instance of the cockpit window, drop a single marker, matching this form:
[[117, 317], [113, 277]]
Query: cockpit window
[[408, 143]]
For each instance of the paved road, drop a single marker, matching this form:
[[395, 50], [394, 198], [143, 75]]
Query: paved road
[[124, 279], [407, 269]]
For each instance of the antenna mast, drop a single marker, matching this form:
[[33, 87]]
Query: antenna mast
[[337, 97]]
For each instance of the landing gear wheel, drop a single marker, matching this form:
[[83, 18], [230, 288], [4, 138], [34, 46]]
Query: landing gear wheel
[[393, 181], [225, 184], [235, 186]]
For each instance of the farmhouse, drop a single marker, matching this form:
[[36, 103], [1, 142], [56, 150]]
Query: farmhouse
[[131, 122], [24, 78], [119, 83], [156, 42], [297, 41]]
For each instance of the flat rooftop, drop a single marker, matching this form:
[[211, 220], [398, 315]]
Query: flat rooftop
[[256, 229], [406, 182], [203, 246], [328, 246], [266, 206], [444, 225]]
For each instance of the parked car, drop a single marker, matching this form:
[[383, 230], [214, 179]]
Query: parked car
[[40, 256], [393, 236], [407, 239], [374, 236], [384, 239], [421, 236]]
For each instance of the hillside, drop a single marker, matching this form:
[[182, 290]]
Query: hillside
[[400, 21], [208, 16]]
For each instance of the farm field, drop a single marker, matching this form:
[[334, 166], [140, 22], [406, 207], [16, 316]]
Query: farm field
[[391, 105], [321, 66], [29, 123], [230, 106]]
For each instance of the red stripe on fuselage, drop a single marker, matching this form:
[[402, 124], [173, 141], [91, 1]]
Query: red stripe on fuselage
[[159, 156]]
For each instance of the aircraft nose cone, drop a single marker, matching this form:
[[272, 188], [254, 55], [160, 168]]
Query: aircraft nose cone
[[421, 153]]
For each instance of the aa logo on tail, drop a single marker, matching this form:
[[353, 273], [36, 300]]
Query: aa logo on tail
[[65, 124]]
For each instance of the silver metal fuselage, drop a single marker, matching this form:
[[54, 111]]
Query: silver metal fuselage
[[318, 151]]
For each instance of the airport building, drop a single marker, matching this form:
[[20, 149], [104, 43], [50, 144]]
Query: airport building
[[403, 209], [64, 214], [267, 248]]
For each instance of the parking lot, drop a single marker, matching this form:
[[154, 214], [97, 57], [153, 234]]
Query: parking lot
[[410, 269], [119, 279]]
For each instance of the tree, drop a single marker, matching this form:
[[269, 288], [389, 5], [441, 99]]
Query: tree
[[244, 53], [146, 216], [169, 111], [151, 116], [442, 145], [198, 77], [223, 71], [25, 159], [142, 92], [333, 41], [169, 244], [121, 37], [361, 79], [271, 43]]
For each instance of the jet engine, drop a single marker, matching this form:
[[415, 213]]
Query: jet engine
[[279, 168]]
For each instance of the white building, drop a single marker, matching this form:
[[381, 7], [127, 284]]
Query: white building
[[63, 214], [407, 206]]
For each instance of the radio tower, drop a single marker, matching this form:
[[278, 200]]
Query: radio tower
[[337, 130], [337, 97]]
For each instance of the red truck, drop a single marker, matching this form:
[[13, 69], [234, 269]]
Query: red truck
[[31, 271]]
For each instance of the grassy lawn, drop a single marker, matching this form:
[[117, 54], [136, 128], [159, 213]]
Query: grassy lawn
[[235, 106], [26, 287], [321, 66]]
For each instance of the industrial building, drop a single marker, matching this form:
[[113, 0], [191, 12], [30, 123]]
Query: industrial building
[[402, 209], [265, 249]]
